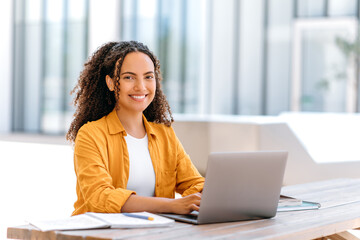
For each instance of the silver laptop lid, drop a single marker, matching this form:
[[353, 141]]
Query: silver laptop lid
[[242, 185]]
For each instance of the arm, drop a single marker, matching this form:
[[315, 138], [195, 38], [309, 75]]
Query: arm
[[95, 189], [183, 205], [188, 178]]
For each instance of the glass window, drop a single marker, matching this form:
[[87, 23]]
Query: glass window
[[65, 50], [322, 73], [147, 23], [128, 20], [192, 47], [32, 66], [342, 8], [17, 111], [75, 53], [311, 8], [170, 39], [275, 95], [53, 83], [171, 30], [251, 53], [50, 48], [322, 91], [27, 66], [217, 57], [222, 48]]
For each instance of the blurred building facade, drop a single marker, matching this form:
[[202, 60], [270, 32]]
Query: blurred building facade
[[233, 57]]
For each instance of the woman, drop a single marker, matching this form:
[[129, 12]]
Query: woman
[[127, 157]]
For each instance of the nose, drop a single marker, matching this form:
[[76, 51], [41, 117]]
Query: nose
[[140, 84]]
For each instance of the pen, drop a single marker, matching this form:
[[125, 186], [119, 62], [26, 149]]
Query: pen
[[138, 216]]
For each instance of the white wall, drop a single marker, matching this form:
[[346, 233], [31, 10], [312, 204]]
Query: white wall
[[37, 182], [230, 133], [6, 45], [302, 166], [215, 134]]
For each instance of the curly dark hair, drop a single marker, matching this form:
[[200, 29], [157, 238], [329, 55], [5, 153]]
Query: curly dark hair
[[93, 99]]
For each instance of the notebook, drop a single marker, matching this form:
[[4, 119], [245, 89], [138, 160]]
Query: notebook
[[92, 220], [239, 186]]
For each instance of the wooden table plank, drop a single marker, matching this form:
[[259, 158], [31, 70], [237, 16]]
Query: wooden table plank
[[343, 236], [21, 232], [333, 193], [29, 232], [313, 187], [140, 232], [194, 230]]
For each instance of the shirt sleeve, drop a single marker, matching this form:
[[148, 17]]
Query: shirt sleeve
[[93, 178], [188, 178]]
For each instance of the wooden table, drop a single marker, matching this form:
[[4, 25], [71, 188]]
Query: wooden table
[[341, 212]]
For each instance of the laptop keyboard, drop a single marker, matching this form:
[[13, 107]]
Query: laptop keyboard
[[186, 217], [194, 213], [190, 218]]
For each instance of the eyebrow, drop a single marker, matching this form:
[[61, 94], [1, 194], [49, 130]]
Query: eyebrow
[[131, 73]]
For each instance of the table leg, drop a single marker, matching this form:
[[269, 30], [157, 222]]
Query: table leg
[[340, 236]]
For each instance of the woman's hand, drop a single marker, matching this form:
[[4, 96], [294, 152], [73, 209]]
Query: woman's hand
[[186, 205]]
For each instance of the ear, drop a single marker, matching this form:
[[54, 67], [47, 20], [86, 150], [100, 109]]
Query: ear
[[109, 83]]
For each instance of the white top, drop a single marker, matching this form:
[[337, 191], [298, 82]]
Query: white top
[[141, 172]]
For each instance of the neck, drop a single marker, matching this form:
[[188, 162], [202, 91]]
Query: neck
[[133, 123]]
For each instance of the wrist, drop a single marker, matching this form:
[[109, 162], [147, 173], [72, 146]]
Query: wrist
[[167, 206]]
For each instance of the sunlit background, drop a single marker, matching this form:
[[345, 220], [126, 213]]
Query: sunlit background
[[218, 57]]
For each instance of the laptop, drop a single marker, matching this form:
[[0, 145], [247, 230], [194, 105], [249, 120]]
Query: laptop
[[239, 186]]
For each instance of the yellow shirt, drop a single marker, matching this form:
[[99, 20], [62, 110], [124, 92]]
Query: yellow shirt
[[101, 162]]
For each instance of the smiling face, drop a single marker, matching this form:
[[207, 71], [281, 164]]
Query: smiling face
[[137, 84]]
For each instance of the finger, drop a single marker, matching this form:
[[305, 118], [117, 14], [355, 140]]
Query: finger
[[196, 195], [194, 207], [197, 202]]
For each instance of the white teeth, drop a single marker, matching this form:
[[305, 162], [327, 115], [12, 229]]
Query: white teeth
[[138, 97]]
